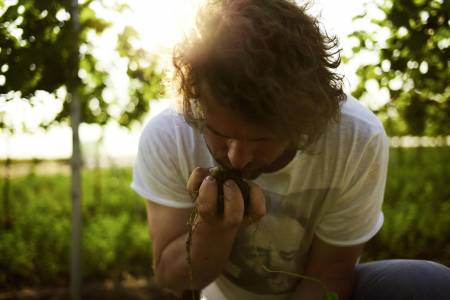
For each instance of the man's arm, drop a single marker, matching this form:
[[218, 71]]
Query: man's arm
[[209, 250], [212, 239], [332, 265]]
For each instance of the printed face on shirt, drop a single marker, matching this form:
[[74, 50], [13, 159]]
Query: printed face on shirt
[[272, 244], [237, 144]]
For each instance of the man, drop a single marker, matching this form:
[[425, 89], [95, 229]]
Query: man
[[260, 95]]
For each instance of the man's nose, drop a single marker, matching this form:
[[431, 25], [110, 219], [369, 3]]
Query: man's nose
[[275, 259], [239, 153]]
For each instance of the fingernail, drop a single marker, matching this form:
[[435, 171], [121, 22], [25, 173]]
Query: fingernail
[[228, 183], [210, 178]]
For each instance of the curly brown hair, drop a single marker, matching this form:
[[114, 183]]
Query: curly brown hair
[[265, 59]]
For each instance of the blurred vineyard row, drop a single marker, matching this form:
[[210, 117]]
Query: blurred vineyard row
[[416, 207], [35, 223], [36, 230]]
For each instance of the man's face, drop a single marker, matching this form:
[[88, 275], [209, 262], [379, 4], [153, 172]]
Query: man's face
[[234, 143]]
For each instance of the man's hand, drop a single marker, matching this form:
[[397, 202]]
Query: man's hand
[[168, 230], [205, 187]]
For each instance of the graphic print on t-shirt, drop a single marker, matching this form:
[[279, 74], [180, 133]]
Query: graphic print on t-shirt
[[278, 242]]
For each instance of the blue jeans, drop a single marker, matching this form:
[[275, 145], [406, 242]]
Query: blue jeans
[[401, 279]]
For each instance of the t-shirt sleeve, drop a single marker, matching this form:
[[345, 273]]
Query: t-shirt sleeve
[[356, 215], [156, 174]]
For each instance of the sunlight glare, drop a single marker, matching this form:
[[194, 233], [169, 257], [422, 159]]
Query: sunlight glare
[[162, 24]]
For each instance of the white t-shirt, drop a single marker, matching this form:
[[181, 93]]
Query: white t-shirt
[[334, 190]]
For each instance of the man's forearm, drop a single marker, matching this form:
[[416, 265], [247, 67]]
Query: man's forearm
[[210, 250]]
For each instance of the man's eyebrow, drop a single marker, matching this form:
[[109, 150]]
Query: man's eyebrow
[[217, 132]]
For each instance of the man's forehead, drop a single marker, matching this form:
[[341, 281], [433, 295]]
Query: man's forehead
[[236, 131], [228, 121]]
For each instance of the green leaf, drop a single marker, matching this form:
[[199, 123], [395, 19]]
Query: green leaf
[[330, 296], [57, 64], [412, 61]]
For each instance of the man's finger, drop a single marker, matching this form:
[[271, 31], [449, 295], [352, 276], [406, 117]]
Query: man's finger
[[257, 205], [195, 180], [207, 199], [233, 204]]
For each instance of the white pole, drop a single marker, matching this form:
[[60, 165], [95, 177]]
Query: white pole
[[75, 107]]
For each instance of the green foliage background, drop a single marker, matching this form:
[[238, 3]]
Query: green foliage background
[[40, 52], [417, 207], [413, 64], [34, 249]]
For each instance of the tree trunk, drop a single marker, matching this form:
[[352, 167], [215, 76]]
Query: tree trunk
[[75, 107]]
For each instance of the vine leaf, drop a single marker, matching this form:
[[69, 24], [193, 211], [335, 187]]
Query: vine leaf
[[330, 296]]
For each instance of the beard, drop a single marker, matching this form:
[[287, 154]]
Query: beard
[[254, 168], [250, 172]]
